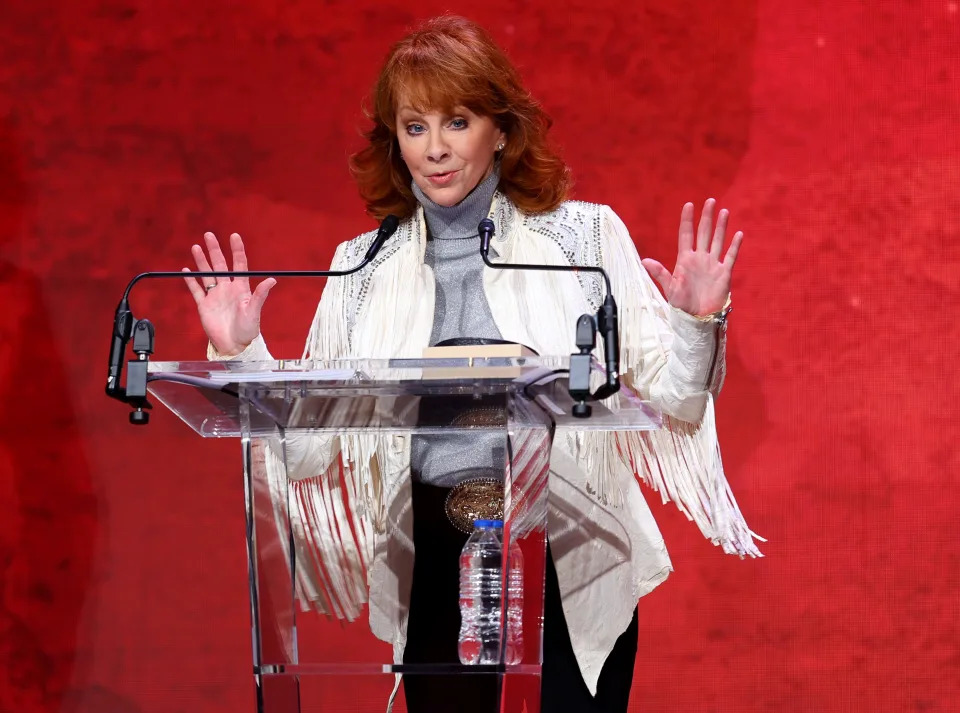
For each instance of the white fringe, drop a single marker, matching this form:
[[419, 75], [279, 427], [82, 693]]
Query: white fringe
[[328, 337], [688, 470], [681, 461]]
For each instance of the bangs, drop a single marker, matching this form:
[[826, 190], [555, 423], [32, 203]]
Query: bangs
[[436, 79], [439, 92]]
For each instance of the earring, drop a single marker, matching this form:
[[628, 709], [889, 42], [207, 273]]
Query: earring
[[500, 146]]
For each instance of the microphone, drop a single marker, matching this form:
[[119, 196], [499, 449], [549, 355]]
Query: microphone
[[125, 325], [386, 230], [605, 321], [486, 229]]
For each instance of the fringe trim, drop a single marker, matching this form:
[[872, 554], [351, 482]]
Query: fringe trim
[[308, 589], [329, 337], [688, 470], [337, 515], [681, 461], [335, 518]]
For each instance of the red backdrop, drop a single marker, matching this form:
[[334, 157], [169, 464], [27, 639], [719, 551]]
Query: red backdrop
[[829, 129]]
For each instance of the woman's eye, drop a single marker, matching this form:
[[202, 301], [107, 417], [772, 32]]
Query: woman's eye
[[458, 124], [415, 128]]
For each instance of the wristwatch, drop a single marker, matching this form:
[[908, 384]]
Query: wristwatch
[[719, 317]]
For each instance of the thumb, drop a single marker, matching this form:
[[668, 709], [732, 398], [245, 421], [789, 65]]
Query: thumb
[[259, 295], [659, 273]]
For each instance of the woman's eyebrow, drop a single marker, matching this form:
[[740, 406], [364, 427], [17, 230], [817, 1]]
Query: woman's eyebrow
[[411, 112]]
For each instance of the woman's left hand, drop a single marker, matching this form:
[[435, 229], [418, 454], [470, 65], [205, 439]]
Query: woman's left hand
[[700, 283]]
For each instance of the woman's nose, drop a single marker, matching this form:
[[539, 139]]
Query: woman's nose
[[437, 149]]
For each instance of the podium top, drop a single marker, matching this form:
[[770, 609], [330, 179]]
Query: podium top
[[384, 395]]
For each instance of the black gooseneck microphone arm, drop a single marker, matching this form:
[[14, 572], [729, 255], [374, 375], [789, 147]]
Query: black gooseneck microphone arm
[[605, 321], [125, 325]]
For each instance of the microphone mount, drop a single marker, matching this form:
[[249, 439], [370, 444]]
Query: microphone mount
[[126, 326], [605, 321]]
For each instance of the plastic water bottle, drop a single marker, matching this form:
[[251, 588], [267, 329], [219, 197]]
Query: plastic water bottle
[[481, 600], [479, 641]]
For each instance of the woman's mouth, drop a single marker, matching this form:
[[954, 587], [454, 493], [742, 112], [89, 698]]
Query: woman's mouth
[[441, 179]]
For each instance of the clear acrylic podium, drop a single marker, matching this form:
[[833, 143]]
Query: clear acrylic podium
[[320, 519]]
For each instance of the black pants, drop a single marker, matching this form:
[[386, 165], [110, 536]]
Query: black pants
[[435, 622]]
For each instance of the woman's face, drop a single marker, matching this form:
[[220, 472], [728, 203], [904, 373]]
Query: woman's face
[[447, 154]]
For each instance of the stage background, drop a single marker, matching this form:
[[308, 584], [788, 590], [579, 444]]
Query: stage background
[[829, 129]]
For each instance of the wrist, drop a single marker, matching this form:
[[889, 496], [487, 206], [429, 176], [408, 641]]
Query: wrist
[[217, 352], [719, 317], [227, 350]]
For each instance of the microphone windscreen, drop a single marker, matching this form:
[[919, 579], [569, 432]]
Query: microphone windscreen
[[387, 228], [389, 225], [485, 230]]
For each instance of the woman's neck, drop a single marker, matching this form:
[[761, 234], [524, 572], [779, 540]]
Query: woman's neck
[[460, 220]]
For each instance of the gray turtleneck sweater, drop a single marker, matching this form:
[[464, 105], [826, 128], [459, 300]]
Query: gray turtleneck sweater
[[453, 252], [461, 310]]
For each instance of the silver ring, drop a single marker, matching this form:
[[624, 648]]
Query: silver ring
[[210, 287]]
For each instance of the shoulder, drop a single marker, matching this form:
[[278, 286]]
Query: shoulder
[[578, 228], [570, 213], [351, 252], [355, 247], [575, 220]]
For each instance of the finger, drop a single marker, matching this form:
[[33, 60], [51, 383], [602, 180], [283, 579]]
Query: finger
[[200, 258], [659, 273], [217, 260], [686, 227], [706, 225], [239, 256], [193, 286], [733, 251], [719, 235], [259, 295]]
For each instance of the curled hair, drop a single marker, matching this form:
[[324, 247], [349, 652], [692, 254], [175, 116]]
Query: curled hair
[[450, 62]]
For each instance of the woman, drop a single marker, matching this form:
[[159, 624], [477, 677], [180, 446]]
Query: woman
[[456, 138]]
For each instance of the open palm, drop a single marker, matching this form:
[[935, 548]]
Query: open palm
[[700, 282], [229, 311]]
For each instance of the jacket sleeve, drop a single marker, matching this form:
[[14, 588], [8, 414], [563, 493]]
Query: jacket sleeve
[[675, 361]]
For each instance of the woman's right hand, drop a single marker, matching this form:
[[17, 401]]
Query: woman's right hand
[[229, 312]]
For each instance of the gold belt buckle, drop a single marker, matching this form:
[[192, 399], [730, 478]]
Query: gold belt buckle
[[476, 499], [483, 417]]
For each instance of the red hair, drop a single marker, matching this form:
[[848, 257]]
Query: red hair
[[450, 62]]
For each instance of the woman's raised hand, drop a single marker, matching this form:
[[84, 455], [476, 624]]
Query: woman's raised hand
[[229, 312], [700, 283]]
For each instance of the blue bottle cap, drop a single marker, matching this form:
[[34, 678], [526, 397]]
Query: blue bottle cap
[[484, 524]]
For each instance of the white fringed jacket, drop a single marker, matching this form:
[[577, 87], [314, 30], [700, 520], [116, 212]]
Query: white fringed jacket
[[608, 551]]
